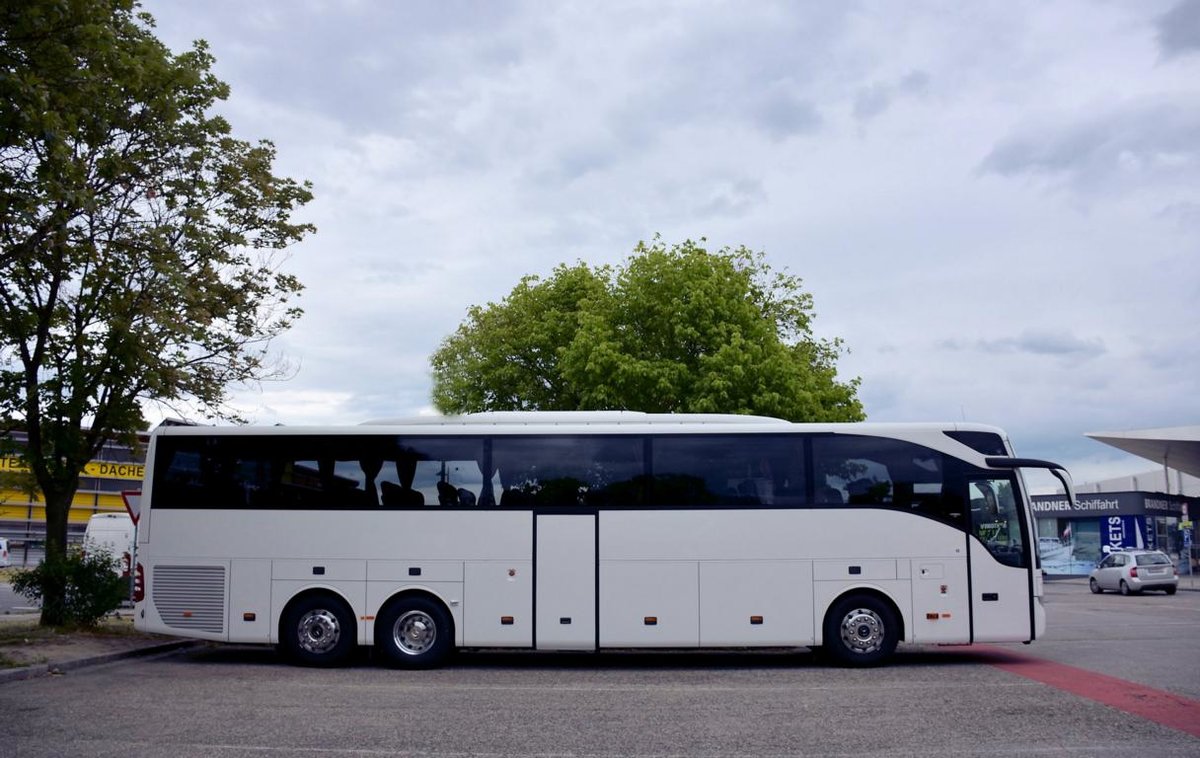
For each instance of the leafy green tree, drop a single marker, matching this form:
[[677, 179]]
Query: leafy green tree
[[676, 329], [140, 242], [508, 356]]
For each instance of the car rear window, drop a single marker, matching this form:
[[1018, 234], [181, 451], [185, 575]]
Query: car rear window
[[1152, 559]]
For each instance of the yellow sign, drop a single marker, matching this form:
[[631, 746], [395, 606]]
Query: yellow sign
[[101, 469]]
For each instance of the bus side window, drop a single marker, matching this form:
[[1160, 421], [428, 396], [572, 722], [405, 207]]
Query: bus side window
[[569, 471], [884, 473], [728, 469]]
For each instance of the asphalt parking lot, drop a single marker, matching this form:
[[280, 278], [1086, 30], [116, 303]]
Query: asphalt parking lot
[[235, 701]]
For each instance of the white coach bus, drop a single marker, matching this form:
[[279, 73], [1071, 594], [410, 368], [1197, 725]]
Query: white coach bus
[[587, 531]]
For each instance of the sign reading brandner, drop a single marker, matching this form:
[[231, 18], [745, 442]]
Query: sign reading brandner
[[1107, 504]]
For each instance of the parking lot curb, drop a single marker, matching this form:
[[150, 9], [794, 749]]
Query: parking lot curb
[[50, 669]]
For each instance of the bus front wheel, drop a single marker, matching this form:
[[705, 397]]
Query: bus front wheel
[[414, 632], [318, 630], [861, 630]]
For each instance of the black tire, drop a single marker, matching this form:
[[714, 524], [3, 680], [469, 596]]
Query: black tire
[[318, 630], [1125, 588], [1170, 590], [861, 630], [1095, 586], [414, 633]]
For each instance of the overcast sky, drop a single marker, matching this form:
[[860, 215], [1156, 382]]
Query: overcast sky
[[996, 205]]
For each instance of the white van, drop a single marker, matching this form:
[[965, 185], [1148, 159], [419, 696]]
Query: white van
[[111, 533], [4, 562]]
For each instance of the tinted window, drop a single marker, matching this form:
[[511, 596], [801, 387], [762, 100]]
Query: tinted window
[[723, 469], [888, 473], [987, 443], [1152, 559], [267, 472], [316, 472], [431, 471], [570, 471]]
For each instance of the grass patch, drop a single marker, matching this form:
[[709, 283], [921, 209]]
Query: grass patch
[[26, 627], [23, 642]]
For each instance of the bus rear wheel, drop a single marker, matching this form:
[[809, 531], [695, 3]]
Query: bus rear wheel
[[318, 630], [414, 633], [861, 630]]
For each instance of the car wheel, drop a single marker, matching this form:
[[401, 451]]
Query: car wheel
[[414, 632], [861, 630], [318, 631], [1095, 586], [1170, 590], [1124, 588]]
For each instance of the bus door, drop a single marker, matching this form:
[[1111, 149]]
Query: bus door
[[565, 569], [1001, 595]]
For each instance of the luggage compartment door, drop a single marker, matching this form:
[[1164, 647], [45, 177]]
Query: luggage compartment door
[[565, 560]]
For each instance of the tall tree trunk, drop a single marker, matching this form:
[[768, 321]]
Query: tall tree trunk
[[54, 589]]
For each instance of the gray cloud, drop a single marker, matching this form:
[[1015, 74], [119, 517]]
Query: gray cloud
[[1179, 29], [732, 198], [783, 114], [1092, 151], [872, 100], [1051, 343]]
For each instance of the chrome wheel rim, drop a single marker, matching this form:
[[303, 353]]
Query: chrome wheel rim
[[318, 631], [414, 632], [863, 631]]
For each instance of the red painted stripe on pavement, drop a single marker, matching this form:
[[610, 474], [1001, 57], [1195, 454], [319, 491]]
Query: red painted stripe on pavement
[[1161, 707]]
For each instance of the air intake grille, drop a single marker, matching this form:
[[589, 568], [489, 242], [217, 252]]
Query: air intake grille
[[190, 597]]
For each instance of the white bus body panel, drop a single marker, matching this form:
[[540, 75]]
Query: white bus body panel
[[680, 568], [756, 603], [566, 582], [250, 609], [754, 559], [272, 555], [499, 604], [649, 604], [940, 600]]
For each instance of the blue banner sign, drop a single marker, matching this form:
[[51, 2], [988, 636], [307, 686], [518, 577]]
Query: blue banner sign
[[1118, 532]]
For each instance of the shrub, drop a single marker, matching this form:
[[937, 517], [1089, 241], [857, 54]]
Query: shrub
[[88, 583]]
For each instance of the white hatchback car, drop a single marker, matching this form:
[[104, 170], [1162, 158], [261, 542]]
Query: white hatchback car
[[1131, 571]]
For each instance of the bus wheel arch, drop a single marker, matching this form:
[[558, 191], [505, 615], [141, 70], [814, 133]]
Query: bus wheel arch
[[414, 629], [862, 627], [318, 628]]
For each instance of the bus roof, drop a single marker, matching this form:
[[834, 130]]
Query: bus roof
[[561, 422], [588, 418]]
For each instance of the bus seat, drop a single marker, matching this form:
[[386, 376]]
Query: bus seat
[[829, 496], [397, 496], [447, 494]]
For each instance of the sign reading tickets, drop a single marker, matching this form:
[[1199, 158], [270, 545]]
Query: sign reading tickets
[[102, 469]]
